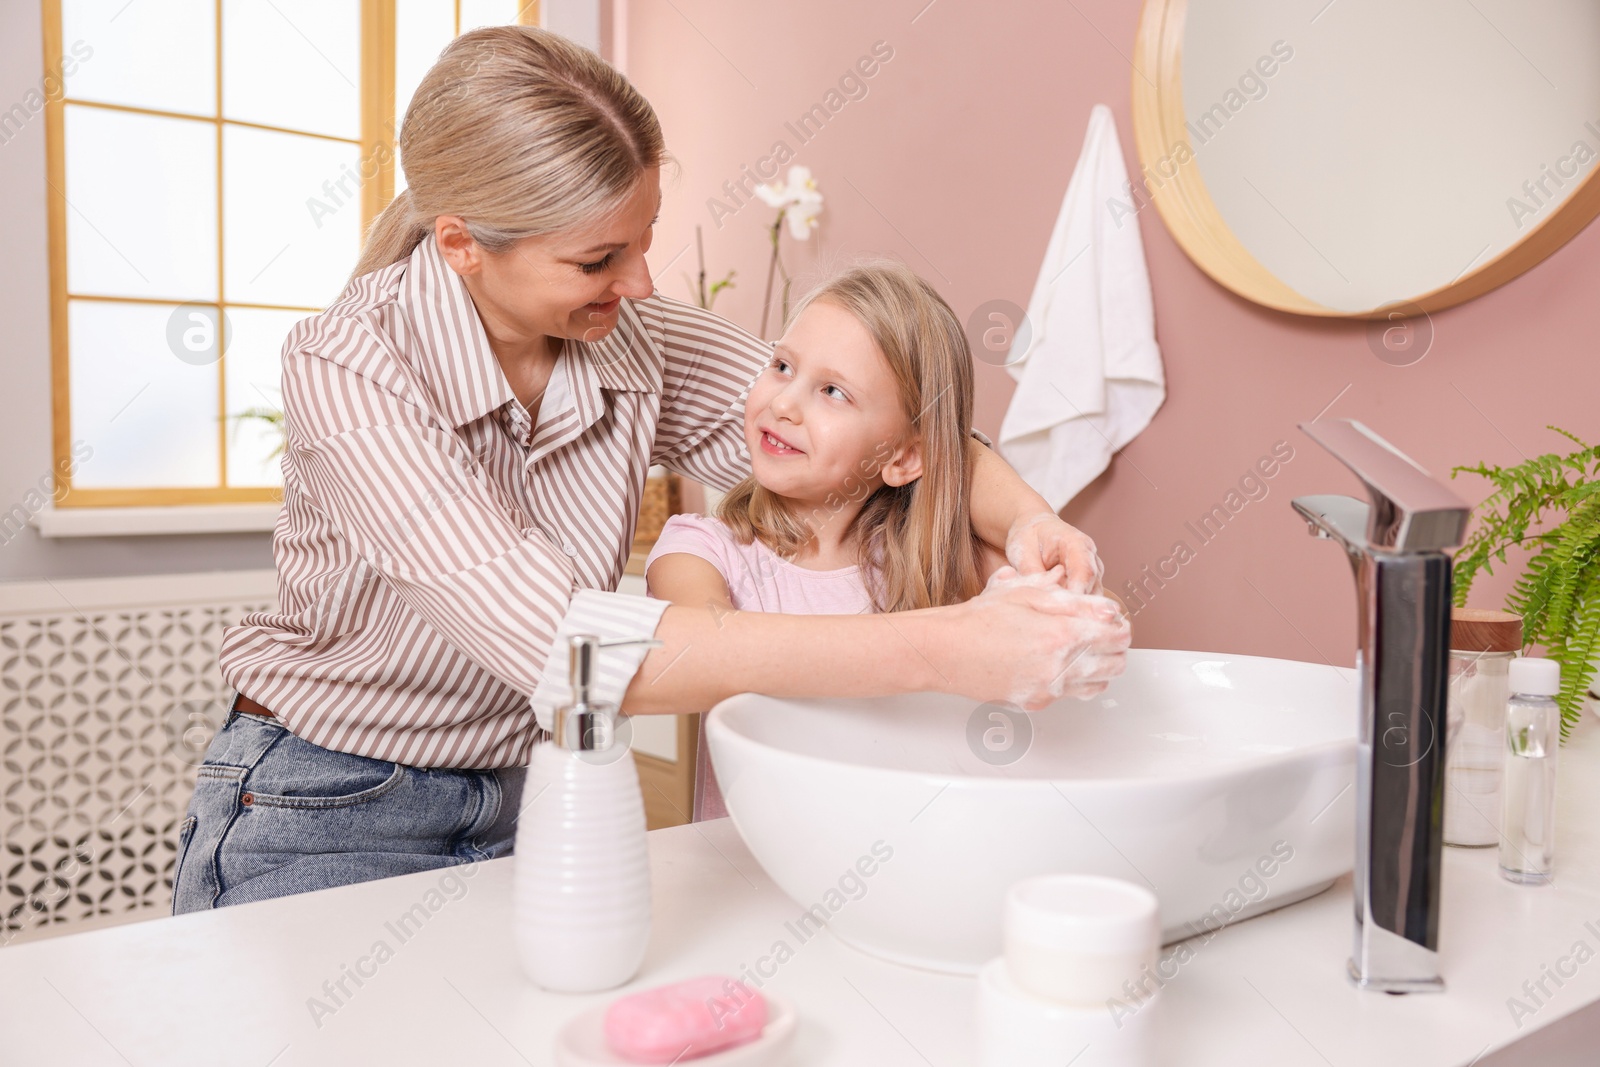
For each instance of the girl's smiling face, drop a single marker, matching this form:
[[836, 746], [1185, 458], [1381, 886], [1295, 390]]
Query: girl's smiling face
[[824, 420]]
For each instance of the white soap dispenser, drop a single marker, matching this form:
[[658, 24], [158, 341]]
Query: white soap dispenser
[[581, 869]]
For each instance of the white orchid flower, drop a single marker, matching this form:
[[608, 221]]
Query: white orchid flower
[[798, 199]]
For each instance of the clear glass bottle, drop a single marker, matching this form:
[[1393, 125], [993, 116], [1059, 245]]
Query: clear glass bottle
[[1533, 741], [1482, 644]]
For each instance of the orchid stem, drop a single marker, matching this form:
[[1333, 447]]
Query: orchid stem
[[700, 253], [772, 269]]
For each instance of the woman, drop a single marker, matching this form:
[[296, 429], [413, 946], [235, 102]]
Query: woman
[[469, 430]]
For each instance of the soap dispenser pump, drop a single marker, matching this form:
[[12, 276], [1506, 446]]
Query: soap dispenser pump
[[581, 868]]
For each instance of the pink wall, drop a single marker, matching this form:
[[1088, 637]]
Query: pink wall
[[956, 160]]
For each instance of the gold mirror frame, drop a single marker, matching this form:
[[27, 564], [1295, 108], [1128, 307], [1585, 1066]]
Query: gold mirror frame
[[1195, 223]]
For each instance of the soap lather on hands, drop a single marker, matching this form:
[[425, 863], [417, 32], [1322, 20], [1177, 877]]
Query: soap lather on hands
[[1055, 570]]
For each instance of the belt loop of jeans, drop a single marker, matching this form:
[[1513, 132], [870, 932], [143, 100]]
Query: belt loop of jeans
[[244, 747]]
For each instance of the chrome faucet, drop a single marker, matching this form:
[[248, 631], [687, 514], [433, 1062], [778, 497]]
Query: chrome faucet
[[1397, 546]]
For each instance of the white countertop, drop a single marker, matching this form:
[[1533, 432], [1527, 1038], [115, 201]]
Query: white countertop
[[236, 986]]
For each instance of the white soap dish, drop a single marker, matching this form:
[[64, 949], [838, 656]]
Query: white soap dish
[[582, 1042]]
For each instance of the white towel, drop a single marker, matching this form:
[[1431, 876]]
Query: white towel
[[1090, 378]]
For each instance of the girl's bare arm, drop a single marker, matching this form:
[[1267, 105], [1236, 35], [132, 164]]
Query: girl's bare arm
[[1025, 643]]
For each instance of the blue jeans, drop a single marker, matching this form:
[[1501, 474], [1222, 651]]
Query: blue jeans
[[274, 815]]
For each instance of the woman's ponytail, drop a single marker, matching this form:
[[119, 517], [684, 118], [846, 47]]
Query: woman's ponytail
[[391, 237]]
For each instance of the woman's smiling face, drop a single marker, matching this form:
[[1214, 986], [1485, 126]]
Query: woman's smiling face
[[567, 284], [824, 418]]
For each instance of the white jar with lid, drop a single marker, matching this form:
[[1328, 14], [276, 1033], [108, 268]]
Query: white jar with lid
[[1482, 645], [1074, 945], [1076, 938]]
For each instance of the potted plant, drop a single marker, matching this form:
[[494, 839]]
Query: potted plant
[[1558, 594], [273, 418], [705, 295], [799, 202]]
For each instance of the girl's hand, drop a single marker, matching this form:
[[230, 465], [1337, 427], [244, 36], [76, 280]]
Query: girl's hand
[[1041, 542], [1028, 640]]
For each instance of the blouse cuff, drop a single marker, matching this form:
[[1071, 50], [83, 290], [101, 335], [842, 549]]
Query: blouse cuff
[[610, 617]]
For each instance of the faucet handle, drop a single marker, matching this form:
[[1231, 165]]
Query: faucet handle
[[1410, 512]]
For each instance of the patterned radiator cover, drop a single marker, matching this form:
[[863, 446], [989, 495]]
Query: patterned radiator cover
[[109, 695]]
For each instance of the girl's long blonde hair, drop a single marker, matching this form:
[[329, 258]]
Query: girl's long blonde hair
[[917, 549], [520, 132]]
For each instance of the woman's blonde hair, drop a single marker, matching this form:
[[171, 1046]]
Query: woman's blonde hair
[[520, 132], [917, 549]]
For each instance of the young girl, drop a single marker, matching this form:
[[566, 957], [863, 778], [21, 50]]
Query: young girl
[[858, 498]]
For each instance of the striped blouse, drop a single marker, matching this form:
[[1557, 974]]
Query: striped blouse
[[434, 545]]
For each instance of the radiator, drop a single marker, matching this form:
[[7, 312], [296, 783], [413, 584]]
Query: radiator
[[109, 695]]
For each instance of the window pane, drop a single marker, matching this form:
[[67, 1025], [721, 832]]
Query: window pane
[[150, 416], [293, 216], [252, 381], [422, 29], [161, 56], [142, 205], [475, 13], [293, 63]]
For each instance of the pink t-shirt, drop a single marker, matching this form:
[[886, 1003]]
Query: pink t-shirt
[[758, 580]]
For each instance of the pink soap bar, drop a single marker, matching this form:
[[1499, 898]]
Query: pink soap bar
[[685, 1020]]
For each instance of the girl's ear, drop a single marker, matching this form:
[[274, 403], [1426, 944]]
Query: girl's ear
[[905, 466]]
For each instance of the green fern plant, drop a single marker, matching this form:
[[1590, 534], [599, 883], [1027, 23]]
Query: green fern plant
[[1558, 595], [274, 419]]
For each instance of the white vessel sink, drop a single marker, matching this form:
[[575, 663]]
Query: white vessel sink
[[1223, 782]]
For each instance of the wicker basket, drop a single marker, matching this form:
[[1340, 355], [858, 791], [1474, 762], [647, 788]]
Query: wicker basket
[[663, 498]]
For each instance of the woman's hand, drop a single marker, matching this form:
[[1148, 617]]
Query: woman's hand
[[1044, 541], [1028, 640]]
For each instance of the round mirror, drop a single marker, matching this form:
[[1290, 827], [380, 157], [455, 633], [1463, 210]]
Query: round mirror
[[1354, 157]]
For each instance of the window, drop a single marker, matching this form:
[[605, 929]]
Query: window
[[212, 165]]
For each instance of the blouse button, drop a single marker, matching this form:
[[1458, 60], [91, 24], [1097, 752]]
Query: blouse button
[[571, 550]]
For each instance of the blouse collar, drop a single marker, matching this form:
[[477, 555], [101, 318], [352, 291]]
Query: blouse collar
[[461, 369]]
